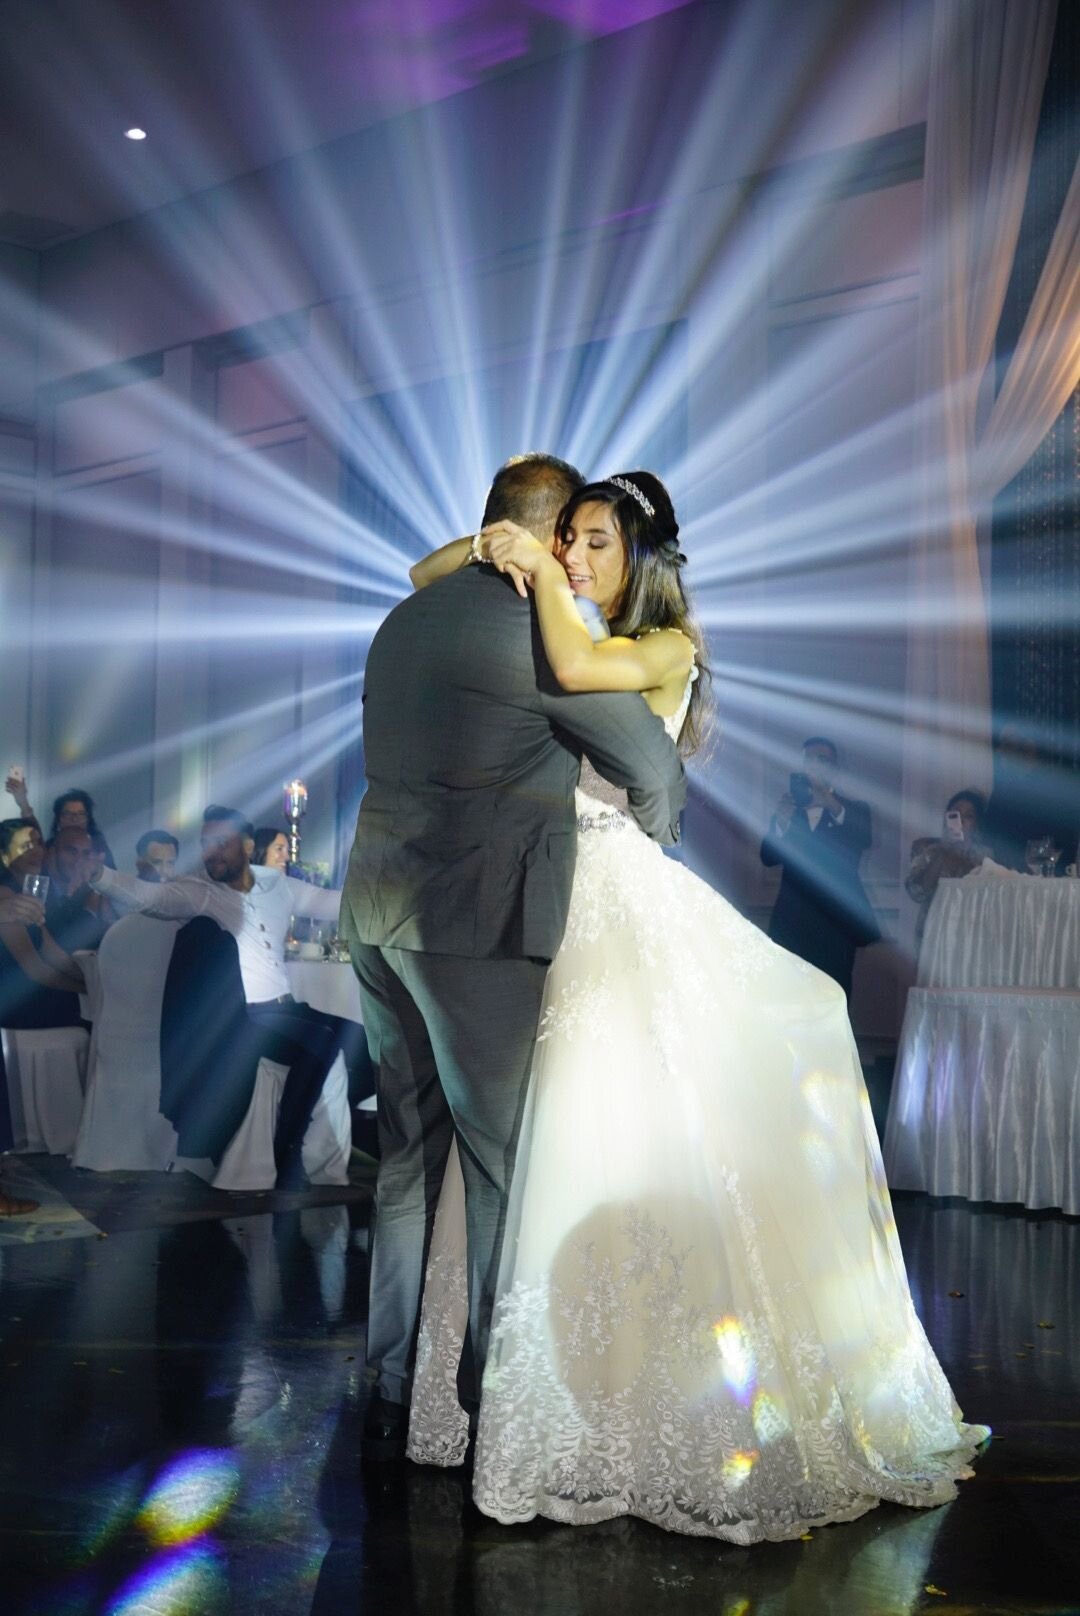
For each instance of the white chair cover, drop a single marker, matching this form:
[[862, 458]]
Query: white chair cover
[[122, 1127], [46, 1070], [248, 1163]]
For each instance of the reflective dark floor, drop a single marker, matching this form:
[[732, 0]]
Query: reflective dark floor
[[180, 1406]]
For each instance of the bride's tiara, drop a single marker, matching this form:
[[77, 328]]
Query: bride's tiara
[[632, 488]]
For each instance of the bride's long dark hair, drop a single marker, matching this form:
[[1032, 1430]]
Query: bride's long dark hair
[[654, 595]]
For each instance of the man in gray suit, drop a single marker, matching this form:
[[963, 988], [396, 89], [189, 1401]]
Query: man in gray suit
[[456, 900]]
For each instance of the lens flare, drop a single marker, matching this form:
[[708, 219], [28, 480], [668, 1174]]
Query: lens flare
[[769, 1419], [189, 1497], [737, 1466], [820, 1155], [188, 1581], [736, 1357]]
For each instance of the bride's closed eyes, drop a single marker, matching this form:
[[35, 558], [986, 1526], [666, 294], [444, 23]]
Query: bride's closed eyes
[[593, 557]]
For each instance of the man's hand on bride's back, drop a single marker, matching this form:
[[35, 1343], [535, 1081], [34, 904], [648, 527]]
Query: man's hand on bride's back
[[514, 550]]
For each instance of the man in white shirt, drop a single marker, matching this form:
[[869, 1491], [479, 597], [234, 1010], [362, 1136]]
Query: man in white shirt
[[255, 903]]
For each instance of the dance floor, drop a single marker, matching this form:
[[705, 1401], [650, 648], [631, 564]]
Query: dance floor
[[182, 1401]]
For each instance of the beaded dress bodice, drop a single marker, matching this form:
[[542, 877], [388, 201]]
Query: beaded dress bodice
[[597, 800]]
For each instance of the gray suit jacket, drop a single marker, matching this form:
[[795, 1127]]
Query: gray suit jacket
[[466, 838]]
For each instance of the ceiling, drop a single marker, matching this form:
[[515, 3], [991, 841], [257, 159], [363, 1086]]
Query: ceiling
[[226, 86]]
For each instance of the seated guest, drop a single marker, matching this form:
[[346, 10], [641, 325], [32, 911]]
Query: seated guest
[[78, 914], [15, 909], [822, 912], [271, 848], [17, 836], [956, 852], [255, 904], [156, 853], [74, 810], [39, 982], [1032, 797]]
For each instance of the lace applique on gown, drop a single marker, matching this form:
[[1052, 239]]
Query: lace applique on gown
[[703, 1317]]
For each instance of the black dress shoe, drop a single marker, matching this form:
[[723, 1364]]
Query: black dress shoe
[[386, 1428]]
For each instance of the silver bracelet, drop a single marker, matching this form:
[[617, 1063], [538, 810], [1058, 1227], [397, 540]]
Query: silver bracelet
[[475, 552]]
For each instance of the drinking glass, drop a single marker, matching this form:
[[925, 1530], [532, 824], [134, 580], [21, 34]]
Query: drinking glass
[[36, 886], [1041, 855]]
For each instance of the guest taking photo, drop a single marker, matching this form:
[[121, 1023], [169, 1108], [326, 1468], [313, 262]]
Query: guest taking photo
[[818, 836]]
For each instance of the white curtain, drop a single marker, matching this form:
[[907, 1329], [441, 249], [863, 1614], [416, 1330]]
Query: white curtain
[[989, 60], [1045, 367]]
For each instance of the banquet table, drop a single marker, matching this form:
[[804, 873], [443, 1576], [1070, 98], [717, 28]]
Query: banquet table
[[986, 1099], [1000, 929], [327, 985]]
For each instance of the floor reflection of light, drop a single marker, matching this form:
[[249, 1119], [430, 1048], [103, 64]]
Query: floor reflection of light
[[113, 1512], [189, 1497], [189, 1581]]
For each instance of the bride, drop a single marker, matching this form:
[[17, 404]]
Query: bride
[[703, 1317]]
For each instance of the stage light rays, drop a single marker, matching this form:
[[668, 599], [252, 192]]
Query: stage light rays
[[671, 258], [631, 279], [583, 279], [95, 766], [221, 617], [554, 286], [412, 469]]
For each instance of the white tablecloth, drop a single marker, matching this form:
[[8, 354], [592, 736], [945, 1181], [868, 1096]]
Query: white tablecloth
[[326, 985], [986, 1099], [1013, 931]]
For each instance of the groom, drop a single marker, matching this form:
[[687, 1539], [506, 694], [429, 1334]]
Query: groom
[[455, 902]]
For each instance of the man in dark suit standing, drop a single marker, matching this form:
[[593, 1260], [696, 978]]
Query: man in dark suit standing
[[822, 912], [456, 900]]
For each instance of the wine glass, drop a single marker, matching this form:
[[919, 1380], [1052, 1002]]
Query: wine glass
[[36, 886], [1041, 855]]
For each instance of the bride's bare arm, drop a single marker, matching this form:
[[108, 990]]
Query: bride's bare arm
[[440, 563], [578, 662]]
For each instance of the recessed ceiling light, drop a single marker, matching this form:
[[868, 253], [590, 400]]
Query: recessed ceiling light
[[135, 134]]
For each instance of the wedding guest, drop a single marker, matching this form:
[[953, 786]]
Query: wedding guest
[[818, 837], [956, 852], [255, 904], [156, 853], [15, 909], [271, 848], [16, 837], [72, 810], [78, 914], [39, 981]]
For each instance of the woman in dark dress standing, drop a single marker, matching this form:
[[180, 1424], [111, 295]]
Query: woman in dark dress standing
[[39, 983]]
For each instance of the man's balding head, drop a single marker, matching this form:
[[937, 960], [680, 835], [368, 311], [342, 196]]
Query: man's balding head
[[531, 489]]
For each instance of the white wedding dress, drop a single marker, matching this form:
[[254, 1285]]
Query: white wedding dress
[[703, 1316]]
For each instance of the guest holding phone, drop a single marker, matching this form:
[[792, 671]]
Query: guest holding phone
[[818, 836], [956, 852]]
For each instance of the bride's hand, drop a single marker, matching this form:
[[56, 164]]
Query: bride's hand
[[514, 550]]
